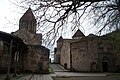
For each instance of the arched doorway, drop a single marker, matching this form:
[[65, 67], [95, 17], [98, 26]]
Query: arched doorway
[[105, 64]]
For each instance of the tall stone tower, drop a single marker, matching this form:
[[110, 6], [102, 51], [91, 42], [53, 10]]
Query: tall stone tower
[[28, 21], [27, 29]]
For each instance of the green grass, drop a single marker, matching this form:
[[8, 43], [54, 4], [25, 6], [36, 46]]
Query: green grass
[[51, 70]]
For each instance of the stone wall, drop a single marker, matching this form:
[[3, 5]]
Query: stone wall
[[37, 59], [4, 57], [88, 56], [89, 53], [1, 50], [80, 57], [65, 54], [56, 55]]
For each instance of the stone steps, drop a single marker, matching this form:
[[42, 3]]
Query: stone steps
[[41, 77]]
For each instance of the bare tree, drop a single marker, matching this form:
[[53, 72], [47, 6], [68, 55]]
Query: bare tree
[[54, 15], [107, 14]]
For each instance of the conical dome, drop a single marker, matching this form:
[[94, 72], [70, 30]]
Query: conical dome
[[28, 21], [28, 15], [78, 34]]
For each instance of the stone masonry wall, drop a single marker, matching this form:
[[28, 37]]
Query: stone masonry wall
[[65, 54]]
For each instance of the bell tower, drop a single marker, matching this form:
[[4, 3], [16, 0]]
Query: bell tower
[[28, 21]]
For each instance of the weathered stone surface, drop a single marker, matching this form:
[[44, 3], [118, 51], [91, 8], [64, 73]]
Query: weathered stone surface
[[87, 53], [37, 58]]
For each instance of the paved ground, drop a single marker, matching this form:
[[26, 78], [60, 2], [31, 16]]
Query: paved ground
[[41, 77], [57, 68], [61, 74], [60, 71], [110, 77], [67, 74], [19, 77], [29, 77]]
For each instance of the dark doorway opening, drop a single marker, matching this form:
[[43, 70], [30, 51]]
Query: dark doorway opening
[[65, 65], [105, 66]]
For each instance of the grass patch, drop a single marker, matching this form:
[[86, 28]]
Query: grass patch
[[51, 70]]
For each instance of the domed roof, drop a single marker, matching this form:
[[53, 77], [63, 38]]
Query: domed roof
[[91, 35], [28, 15], [78, 34]]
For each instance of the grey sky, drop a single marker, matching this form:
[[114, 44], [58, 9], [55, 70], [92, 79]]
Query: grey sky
[[10, 15]]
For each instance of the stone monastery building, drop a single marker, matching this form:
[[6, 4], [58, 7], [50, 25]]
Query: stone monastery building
[[35, 57], [86, 53]]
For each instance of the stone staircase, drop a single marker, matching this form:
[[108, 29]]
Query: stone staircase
[[41, 77]]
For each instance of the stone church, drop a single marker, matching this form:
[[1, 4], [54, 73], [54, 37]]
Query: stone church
[[37, 57], [86, 53]]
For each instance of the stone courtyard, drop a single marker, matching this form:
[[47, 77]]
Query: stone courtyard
[[23, 55], [61, 74]]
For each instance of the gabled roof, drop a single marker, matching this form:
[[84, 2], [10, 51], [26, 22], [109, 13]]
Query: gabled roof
[[28, 15], [60, 39], [78, 34]]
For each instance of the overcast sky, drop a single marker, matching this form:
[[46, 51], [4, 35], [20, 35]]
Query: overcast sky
[[10, 15]]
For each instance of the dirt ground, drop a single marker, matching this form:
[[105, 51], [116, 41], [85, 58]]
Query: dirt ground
[[109, 77]]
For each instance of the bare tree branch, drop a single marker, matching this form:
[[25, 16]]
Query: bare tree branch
[[54, 15]]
